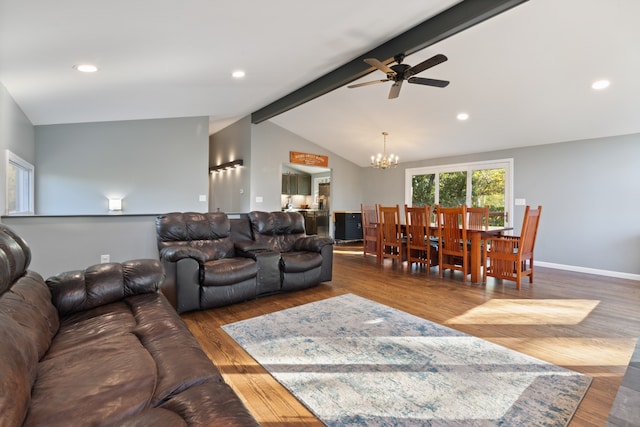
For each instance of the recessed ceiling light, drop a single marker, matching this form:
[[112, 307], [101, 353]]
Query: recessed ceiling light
[[462, 116], [238, 74], [600, 84], [86, 68]]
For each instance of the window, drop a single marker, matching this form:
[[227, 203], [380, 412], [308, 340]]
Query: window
[[19, 185], [473, 184]]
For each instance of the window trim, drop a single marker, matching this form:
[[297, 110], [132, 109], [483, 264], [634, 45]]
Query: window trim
[[17, 161], [507, 164]]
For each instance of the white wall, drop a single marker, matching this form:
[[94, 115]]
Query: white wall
[[155, 166]]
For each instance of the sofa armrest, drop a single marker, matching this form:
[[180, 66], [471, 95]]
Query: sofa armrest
[[176, 253], [312, 243], [103, 284]]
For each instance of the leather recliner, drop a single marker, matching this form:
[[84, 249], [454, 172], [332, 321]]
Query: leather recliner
[[212, 260], [200, 260], [305, 261]]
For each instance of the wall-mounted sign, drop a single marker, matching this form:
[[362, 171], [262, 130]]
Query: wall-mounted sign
[[308, 159]]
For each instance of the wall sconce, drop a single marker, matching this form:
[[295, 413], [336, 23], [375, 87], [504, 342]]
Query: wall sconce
[[224, 166], [115, 204]]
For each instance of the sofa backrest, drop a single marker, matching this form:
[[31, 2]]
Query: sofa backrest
[[277, 230], [28, 322], [15, 257], [210, 232]]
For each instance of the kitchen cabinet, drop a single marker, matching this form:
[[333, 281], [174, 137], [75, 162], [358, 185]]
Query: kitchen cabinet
[[304, 184], [293, 183], [348, 225], [289, 184]]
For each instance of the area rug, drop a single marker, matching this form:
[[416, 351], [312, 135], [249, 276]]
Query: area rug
[[354, 362]]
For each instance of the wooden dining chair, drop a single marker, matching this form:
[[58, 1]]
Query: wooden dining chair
[[511, 257], [391, 244], [420, 248], [453, 249], [478, 217], [370, 230]]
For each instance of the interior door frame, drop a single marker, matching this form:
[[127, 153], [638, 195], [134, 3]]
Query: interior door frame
[[506, 164]]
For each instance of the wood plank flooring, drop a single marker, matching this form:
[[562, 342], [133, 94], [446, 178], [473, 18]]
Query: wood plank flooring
[[582, 322]]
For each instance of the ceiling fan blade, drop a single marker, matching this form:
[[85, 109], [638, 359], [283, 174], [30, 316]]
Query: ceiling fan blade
[[367, 83], [395, 89], [379, 65], [428, 82], [431, 62]]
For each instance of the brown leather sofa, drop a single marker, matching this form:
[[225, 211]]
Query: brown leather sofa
[[101, 347], [212, 260]]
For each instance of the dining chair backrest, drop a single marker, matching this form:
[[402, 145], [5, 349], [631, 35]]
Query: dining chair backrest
[[452, 239], [417, 222], [529, 230], [369, 214], [389, 217], [478, 217], [370, 228], [391, 244]]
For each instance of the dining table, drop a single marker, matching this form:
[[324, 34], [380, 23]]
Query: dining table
[[475, 234]]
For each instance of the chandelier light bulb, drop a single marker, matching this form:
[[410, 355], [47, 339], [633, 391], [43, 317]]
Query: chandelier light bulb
[[383, 161]]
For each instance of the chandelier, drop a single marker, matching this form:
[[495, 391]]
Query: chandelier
[[382, 161]]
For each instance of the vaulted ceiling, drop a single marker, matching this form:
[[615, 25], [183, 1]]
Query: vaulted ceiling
[[523, 76]]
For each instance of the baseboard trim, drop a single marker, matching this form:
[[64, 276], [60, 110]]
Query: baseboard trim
[[577, 269]]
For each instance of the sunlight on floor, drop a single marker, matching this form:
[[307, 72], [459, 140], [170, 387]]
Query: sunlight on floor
[[614, 353], [527, 312]]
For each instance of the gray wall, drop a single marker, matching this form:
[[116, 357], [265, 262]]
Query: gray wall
[[68, 243], [155, 166], [271, 144], [229, 190], [588, 190], [17, 135]]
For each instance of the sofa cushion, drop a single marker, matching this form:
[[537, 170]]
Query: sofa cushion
[[277, 231], [167, 338], [295, 262], [211, 405], [104, 283], [156, 417], [117, 360], [112, 377], [208, 232], [228, 271]]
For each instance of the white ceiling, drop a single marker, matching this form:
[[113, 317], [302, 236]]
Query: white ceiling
[[523, 76]]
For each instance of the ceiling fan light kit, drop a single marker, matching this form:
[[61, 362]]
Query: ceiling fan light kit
[[382, 161], [400, 72]]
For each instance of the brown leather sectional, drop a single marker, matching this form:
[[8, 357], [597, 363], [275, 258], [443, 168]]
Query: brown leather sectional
[[101, 347]]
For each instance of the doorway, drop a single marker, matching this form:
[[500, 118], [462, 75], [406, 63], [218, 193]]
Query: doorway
[[314, 202]]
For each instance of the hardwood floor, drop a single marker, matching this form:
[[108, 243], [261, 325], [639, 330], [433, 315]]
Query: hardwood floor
[[583, 322]]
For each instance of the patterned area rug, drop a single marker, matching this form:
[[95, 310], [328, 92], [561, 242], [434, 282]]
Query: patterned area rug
[[354, 362]]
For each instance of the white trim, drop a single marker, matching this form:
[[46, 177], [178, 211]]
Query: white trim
[[12, 158], [577, 269]]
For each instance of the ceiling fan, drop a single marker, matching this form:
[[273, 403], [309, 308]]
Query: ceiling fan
[[400, 72]]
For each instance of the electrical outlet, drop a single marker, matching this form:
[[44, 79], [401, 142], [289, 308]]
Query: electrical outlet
[[521, 202], [259, 199], [203, 197], [105, 258]]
